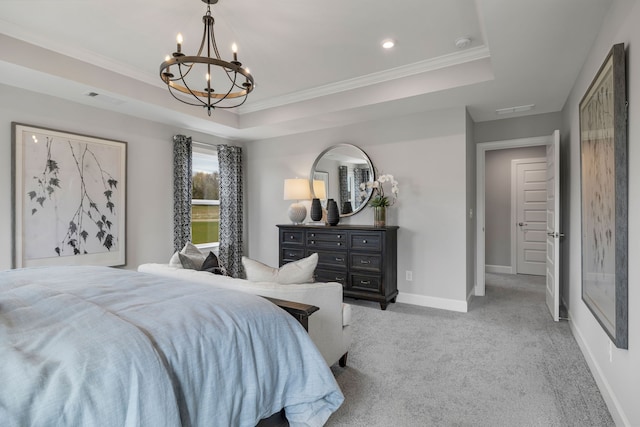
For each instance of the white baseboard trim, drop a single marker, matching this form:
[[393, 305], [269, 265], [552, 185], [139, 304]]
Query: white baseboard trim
[[504, 269], [434, 302], [619, 418]]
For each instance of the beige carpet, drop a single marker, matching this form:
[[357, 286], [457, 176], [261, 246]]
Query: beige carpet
[[504, 363]]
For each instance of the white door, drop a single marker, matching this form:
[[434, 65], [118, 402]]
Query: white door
[[553, 226], [531, 216]]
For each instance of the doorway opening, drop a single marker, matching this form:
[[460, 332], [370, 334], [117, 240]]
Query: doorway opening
[[481, 159]]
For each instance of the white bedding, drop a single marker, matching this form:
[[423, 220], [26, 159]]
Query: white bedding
[[97, 346]]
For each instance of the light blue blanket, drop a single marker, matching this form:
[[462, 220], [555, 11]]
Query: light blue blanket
[[98, 346]]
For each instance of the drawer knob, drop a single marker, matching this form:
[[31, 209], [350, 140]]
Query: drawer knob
[[292, 255], [365, 282], [364, 241], [313, 234], [313, 242], [339, 236], [339, 259], [291, 237], [339, 244], [339, 279], [362, 261]]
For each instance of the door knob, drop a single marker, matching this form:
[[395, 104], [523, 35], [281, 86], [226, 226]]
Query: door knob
[[521, 224]]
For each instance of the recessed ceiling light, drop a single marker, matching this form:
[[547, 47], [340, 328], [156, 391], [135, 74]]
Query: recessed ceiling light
[[388, 44]]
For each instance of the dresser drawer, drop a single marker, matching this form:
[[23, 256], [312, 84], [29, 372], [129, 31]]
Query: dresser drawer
[[326, 239], [371, 241], [292, 237], [366, 262], [323, 275], [363, 282], [336, 260], [291, 254]]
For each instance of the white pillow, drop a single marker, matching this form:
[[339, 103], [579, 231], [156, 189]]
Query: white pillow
[[300, 271], [191, 252]]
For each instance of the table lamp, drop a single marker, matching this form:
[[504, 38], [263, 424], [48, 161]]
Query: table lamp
[[297, 189]]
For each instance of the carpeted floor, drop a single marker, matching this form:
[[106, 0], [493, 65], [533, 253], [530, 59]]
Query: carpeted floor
[[504, 363]]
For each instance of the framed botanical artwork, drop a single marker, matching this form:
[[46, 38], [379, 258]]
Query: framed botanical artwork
[[69, 198], [604, 192]]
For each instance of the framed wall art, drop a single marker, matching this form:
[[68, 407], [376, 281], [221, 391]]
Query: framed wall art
[[604, 189], [69, 198]]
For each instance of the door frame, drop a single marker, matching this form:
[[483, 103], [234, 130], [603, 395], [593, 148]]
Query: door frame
[[481, 149], [514, 207]]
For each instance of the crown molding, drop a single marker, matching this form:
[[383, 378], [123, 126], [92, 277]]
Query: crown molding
[[425, 66]]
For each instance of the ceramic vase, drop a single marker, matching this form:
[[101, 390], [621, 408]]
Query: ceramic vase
[[316, 210], [333, 216]]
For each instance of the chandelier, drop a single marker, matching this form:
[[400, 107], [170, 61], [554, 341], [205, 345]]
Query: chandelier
[[225, 84]]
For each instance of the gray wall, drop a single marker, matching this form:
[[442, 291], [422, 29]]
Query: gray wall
[[498, 201], [471, 203], [616, 371], [517, 127], [426, 153], [149, 166]]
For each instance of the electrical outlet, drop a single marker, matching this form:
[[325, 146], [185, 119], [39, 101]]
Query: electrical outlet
[[409, 275]]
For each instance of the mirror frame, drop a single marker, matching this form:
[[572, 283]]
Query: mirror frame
[[365, 157]]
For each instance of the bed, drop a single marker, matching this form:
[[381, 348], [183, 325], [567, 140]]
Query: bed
[[110, 347]]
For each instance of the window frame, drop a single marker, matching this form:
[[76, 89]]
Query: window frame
[[205, 149]]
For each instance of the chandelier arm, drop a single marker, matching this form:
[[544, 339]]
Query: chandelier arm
[[226, 96], [189, 89], [201, 104], [183, 75]]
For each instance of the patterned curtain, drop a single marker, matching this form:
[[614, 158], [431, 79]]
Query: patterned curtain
[[344, 185], [181, 191], [361, 175], [230, 249]]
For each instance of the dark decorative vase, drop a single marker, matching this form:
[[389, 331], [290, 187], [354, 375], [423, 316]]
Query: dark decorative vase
[[333, 216], [347, 208], [316, 210]]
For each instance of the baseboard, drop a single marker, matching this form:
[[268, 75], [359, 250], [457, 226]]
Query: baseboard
[[434, 302], [504, 269], [609, 397]]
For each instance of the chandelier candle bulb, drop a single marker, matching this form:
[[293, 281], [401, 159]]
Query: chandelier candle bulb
[[179, 42], [234, 48]]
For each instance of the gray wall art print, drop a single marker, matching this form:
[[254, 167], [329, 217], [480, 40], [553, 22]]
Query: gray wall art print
[[604, 184], [69, 198]]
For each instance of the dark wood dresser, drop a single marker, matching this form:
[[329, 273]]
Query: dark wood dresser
[[362, 258]]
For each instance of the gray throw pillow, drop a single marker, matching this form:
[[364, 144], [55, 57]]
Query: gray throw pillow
[[189, 257]]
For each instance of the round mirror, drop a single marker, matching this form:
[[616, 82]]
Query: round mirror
[[337, 174]]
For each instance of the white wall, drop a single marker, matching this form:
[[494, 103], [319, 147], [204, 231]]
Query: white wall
[[149, 167], [426, 154], [618, 375]]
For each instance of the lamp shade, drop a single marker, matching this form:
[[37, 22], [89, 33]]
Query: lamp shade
[[296, 189], [319, 190]]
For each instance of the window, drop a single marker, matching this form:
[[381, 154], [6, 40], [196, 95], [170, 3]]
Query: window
[[205, 199]]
